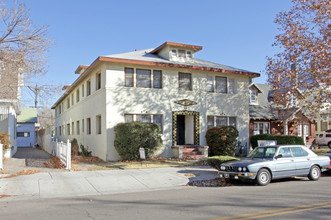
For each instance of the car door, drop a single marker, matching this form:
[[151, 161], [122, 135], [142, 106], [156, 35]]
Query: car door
[[284, 165], [301, 160]]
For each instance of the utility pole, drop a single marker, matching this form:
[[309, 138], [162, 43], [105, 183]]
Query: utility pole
[[35, 90], [36, 98]]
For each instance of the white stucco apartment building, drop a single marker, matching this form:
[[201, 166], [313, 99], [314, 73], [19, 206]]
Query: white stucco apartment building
[[166, 85]]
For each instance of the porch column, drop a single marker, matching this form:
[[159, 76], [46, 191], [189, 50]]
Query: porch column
[[286, 128]]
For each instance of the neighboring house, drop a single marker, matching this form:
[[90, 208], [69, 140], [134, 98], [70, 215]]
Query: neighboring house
[[265, 119], [27, 125], [323, 123], [10, 92], [166, 85]]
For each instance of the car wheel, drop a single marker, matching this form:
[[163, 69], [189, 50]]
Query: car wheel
[[329, 145], [314, 173], [263, 177]]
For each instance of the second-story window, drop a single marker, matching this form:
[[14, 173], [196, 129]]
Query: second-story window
[[83, 89], [221, 84], [88, 88], [72, 99], [98, 81], [157, 79], [185, 81], [77, 95], [68, 102], [143, 78], [129, 77], [210, 84], [181, 53]]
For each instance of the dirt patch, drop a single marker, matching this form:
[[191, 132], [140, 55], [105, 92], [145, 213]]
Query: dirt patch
[[217, 182], [54, 163], [86, 160], [22, 172], [3, 196]]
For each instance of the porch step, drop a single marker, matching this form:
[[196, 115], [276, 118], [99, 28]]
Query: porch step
[[191, 152]]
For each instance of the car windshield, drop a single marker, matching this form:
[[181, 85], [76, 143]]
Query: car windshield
[[262, 152]]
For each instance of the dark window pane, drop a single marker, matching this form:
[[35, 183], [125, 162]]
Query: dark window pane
[[221, 84], [181, 53], [185, 81], [128, 77], [157, 79], [210, 84], [128, 118], [144, 118], [143, 78]]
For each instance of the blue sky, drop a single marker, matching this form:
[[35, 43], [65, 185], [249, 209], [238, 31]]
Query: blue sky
[[237, 33]]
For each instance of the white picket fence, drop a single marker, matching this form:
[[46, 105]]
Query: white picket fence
[[1, 157], [62, 151]]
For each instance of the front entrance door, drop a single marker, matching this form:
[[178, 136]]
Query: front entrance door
[[180, 129]]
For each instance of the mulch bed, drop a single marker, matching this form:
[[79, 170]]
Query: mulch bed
[[22, 172], [54, 163]]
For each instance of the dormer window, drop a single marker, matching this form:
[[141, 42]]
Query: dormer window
[[174, 53], [181, 53], [252, 99]]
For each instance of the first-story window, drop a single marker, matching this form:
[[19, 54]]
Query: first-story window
[[88, 126], [77, 128], [68, 129], [73, 128], [261, 128], [215, 121], [144, 118], [23, 134], [157, 119], [98, 124]]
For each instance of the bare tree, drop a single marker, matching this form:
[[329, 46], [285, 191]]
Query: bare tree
[[302, 69], [22, 46], [46, 117]]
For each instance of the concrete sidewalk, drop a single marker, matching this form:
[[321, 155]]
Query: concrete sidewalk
[[70, 183]]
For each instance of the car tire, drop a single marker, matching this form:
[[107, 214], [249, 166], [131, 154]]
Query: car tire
[[263, 177], [314, 173], [329, 144]]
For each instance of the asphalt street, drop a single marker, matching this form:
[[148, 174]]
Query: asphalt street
[[284, 199]]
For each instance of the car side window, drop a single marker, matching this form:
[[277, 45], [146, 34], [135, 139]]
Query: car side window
[[299, 152], [285, 151]]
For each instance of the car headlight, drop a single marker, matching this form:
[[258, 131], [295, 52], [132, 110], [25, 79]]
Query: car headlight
[[239, 169], [222, 167], [244, 169]]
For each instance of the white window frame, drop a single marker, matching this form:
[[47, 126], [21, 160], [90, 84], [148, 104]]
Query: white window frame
[[227, 118], [252, 97], [264, 130]]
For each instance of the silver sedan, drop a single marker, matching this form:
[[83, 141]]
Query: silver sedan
[[273, 162]]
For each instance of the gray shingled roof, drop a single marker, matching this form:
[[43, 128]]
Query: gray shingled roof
[[145, 55], [263, 110]]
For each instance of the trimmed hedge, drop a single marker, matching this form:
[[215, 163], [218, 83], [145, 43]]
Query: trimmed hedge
[[129, 137], [222, 140], [281, 139], [216, 161]]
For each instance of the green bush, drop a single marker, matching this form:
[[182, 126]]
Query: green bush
[[222, 140], [216, 161], [281, 139], [129, 137]]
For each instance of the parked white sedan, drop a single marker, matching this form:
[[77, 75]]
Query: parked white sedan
[[273, 162]]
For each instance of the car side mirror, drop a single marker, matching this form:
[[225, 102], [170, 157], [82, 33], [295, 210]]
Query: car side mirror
[[279, 156]]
